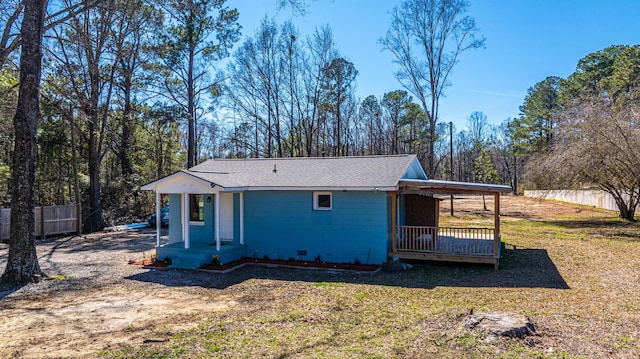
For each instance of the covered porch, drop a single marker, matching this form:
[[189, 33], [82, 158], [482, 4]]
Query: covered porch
[[205, 220], [420, 237]]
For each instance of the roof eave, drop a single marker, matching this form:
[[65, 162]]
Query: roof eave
[[154, 185], [451, 186]]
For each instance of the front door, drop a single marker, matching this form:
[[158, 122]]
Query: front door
[[226, 216]]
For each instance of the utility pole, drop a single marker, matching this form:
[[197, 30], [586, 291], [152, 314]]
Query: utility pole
[[451, 160]]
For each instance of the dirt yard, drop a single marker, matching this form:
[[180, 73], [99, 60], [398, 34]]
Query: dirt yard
[[94, 304], [93, 300]]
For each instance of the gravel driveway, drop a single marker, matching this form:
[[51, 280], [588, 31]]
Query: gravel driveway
[[93, 300]]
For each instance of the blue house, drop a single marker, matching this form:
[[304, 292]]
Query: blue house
[[340, 209]]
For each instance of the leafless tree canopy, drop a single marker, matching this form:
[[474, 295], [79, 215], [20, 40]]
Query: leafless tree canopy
[[598, 142]]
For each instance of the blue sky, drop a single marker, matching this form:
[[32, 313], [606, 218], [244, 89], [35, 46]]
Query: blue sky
[[526, 41]]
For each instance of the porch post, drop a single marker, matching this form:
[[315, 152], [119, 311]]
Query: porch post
[[158, 219], [217, 220], [394, 209], [185, 220], [242, 217], [496, 233]]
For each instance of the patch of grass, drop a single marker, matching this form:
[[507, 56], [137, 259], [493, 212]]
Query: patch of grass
[[622, 342], [575, 275], [327, 284]]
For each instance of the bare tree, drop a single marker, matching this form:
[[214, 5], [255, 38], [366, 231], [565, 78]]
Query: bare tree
[[11, 15], [598, 142], [427, 37], [22, 263]]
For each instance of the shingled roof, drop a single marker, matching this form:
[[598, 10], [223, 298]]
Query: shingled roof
[[317, 173], [383, 172]]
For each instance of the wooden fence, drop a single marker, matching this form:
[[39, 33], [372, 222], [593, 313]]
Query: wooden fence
[[49, 220]]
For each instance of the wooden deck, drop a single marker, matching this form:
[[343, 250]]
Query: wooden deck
[[451, 244]]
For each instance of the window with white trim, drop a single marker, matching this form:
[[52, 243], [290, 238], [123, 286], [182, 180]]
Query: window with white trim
[[322, 201], [196, 210]]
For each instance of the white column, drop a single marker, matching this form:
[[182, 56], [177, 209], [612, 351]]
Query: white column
[[158, 219], [185, 227], [241, 217], [182, 223], [217, 220]]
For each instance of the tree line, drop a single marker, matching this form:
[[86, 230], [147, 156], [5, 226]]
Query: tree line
[[119, 93], [579, 132], [133, 90]]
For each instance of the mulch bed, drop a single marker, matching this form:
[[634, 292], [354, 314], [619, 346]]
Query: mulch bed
[[151, 263], [292, 263], [275, 262]]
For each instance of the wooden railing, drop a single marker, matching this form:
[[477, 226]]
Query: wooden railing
[[445, 240], [49, 220]]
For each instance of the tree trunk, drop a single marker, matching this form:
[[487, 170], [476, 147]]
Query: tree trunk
[[627, 209], [22, 263], [74, 158], [95, 222], [127, 130], [191, 109]]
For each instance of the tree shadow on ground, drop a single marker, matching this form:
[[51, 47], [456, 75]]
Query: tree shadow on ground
[[9, 288], [520, 268], [131, 241]]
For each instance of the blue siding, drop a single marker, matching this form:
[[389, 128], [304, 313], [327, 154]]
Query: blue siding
[[279, 223], [197, 234], [401, 210], [236, 218], [204, 234]]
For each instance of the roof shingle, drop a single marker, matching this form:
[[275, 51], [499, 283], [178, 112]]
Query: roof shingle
[[305, 172]]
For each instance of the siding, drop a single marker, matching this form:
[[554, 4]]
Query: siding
[[204, 234], [280, 223]]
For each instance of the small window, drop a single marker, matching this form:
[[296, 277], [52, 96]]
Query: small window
[[322, 201], [196, 210]]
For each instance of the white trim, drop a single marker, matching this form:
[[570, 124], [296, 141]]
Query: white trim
[[316, 204], [154, 185], [197, 222], [185, 220], [291, 188], [158, 219], [217, 220], [325, 189]]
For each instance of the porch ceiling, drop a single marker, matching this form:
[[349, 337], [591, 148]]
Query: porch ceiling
[[450, 187]]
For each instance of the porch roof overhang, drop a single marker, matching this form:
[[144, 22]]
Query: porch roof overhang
[[450, 187], [181, 182]]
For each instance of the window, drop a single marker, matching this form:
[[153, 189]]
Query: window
[[196, 207], [322, 201]]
